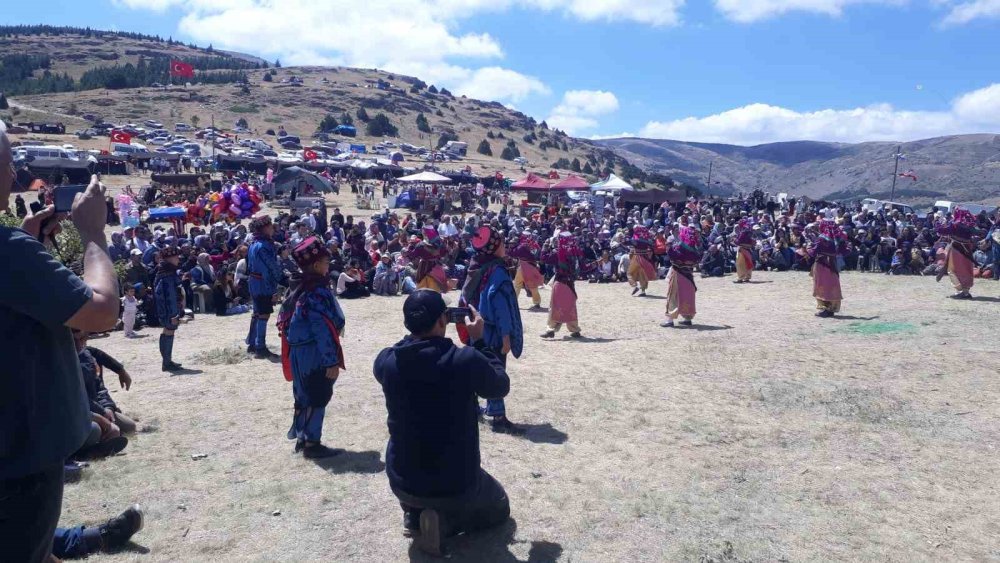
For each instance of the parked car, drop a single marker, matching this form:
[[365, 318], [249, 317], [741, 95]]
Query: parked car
[[179, 127], [153, 124]]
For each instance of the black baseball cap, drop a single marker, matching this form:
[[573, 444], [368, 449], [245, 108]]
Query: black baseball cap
[[422, 309]]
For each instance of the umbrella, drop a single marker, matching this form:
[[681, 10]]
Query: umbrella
[[426, 178]]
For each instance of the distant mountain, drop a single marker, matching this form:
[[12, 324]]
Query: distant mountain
[[960, 168]]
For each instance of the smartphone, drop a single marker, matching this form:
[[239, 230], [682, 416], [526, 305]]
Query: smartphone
[[63, 197], [457, 315]]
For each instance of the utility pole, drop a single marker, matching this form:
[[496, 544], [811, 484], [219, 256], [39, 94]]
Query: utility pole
[[895, 173], [709, 187], [213, 137]]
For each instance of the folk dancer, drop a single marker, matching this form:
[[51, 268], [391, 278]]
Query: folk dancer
[[430, 269], [684, 254], [961, 230], [826, 249], [311, 322], [490, 290], [744, 241], [528, 277], [264, 272], [640, 266], [169, 297], [567, 260]]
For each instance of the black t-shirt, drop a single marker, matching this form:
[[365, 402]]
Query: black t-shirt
[[43, 406]]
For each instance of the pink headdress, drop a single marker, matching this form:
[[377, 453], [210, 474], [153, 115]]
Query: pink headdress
[[641, 233], [832, 230], [963, 217], [689, 236]]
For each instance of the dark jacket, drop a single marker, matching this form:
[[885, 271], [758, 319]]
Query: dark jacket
[[430, 389], [91, 362]]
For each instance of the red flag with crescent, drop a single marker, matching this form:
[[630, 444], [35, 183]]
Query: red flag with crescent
[[309, 154], [184, 70], [121, 137]]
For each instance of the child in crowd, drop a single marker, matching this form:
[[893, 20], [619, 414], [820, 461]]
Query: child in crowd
[[168, 304], [92, 364], [311, 322], [130, 307]]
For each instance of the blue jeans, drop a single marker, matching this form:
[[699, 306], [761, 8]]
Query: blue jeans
[[29, 512], [76, 543], [308, 424]]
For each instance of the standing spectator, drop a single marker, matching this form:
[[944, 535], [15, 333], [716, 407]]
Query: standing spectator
[[43, 408]]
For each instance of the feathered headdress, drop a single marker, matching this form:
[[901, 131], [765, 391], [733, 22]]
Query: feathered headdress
[[963, 217]]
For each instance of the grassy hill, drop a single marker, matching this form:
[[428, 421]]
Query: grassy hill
[[960, 167], [267, 103]]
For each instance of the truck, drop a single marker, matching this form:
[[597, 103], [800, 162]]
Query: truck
[[459, 148]]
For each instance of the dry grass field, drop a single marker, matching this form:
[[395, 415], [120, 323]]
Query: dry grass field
[[761, 434]]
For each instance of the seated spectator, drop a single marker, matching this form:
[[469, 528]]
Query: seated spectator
[[351, 285], [92, 364], [202, 280], [431, 392], [386, 278], [225, 297], [712, 263]]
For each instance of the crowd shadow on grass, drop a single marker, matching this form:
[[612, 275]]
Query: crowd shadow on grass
[[490, 545], [352, 462]]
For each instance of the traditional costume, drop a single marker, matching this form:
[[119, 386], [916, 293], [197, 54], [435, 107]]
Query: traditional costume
[[959, 264], [430, 269], [310, 322], [490, 290], [684, 254], [528, 276], [168, 297], [640, 265], [566, 259], [264, 272], [744, 241], [825, 249]]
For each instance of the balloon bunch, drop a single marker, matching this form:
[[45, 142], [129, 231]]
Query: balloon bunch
[[236, 202]]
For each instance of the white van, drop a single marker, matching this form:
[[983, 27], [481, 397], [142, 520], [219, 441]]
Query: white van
[[121, 149]]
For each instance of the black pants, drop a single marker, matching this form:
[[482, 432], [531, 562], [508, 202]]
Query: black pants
[[29, 512], [485, 506]]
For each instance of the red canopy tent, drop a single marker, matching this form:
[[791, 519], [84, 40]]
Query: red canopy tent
[[574, 183], [531, 182]]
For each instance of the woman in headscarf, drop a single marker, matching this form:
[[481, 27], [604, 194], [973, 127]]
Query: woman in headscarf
[[961, 230], [117, 251], [684, 253], [202, 279], [311, 323], [640, 266], [824, 249]]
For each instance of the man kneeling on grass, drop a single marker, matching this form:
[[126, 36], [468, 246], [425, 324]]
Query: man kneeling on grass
[[432, 460]]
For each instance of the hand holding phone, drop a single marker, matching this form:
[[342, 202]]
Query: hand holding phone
[[457, 315], [64, 196]]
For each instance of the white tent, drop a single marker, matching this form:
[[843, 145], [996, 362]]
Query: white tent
[[612, 184], [426, 178]]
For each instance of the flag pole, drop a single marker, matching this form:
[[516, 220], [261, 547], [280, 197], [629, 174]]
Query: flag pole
[[895, 174]]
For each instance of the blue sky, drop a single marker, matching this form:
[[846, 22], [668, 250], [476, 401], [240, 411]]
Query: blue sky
[[740, 71]]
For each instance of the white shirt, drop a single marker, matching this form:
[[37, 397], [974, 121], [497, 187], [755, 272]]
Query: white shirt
[[342, 282], [447, 230], [130, 304]]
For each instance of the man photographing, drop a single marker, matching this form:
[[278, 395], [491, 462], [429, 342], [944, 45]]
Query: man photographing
[[431, 391], [43, 407]]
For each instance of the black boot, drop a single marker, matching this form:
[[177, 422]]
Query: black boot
[[167, 352]]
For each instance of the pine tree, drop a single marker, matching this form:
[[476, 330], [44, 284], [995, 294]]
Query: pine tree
[[346, 119], [277, 63], [422, 124], [362, 115], [485, 148], [267, 77], [587, 169], [380, 126], [3, 102], [575, 165], [432, 89], [328, 124]]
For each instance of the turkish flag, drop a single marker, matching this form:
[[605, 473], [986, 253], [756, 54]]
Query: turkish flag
[[184, 70], [309, 154], [121, 137]]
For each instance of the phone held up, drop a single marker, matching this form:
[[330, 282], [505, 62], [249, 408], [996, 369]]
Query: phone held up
[[63, 197], [458, 315]]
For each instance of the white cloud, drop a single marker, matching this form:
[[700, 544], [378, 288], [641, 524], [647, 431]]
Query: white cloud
[[974, 112], [418, 37], [746, 11], [578, 109], [965, 12]]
